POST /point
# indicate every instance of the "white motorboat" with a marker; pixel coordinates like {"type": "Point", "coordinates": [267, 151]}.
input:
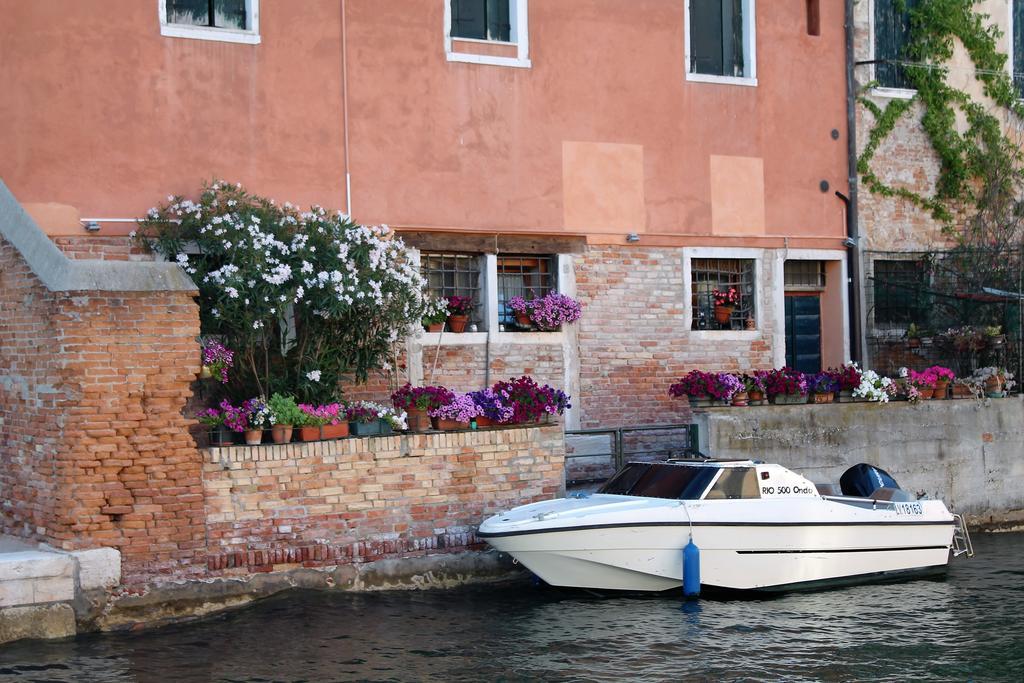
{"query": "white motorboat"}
{"type": "Point", "coordinates": [757, 526]}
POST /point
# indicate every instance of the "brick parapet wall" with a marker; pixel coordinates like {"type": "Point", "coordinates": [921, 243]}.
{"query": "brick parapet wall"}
{"type": "Point", "coordinates": [96, 451]}
{"type": "Point", "coordinates": [357, 500]}
{"type": "Point", "coordinates": [102, 248]}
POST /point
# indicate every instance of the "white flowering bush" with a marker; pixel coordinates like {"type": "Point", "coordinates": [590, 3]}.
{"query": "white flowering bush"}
{"type": "Point", "coordinates": [303, 297]}
{"type": "Point", "coordinates": [874, 387]}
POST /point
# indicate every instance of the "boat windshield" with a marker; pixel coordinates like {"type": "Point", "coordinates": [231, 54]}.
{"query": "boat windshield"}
{"type": "Point", "coordinates": [659, 480]}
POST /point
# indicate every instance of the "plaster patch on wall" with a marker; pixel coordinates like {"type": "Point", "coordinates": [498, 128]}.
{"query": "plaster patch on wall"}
{"type": "Point", "coordinates": [603, 187]}
{"type": "Point", "coordinates": [737, 195]}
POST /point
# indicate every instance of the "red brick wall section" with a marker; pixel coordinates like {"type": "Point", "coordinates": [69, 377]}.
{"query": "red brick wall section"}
{"type": "Point", "coordinates": [464, 367]}
{"type": "Point", "coordinates": [96, 451]}
{"type": "Point", "coordinates": [102, 248]}
{"type": "Point", "coordinates": [635, 339]}
{"type": "Point", "coordinates": [357, 500]}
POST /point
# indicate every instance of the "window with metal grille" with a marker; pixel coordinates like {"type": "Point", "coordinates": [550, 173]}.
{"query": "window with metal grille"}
{"type": "Point", "coordinates": [718, 32]}
{"type": "Point", "coordinates": [230, 14]}
{"type": "Point", "coordinates": [804, 274]}
{"type": "Point", "coordinates": [449, 275]}
{"type": "Point", "coordinates": [481, 20]}
{"type": "Point", "coordinates": [892, 33]}
{"type": "Point", "coordinates": [900, 292]}
{"type": "Point", "coordinates": [709, 274]}
{"type": "Point", "coordinates": [1018, 46]}
{"type": "Point", "coordinates": [528, 276]}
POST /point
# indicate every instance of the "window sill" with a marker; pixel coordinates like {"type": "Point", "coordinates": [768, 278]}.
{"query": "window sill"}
{"type": "Point", "coordinates": [722, 80]}
{"type": "Point", "coordinates": [480, 338]}
{"type": "Point", "coordinates": [492, 60]}
{"type": "Point", "coordinates": [894, 93]}
{"type": "Point", "coordinates": [726, 335]}
{"type": "Point", "coordinates": [221, 35]}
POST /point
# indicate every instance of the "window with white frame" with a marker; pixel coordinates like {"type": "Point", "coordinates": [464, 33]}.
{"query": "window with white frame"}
{"type": "Point", "coordinates": [449, 275]}
{"type": "Point", "coordinates": [502, 23]}
{"type": "Point", "coordinates": [526, 276]}
{"type": "Point", "coordinates": [891, 34]}
{"type": "Point", "coordinates": [720, 40]}
{"type": "Point", "coordinates": [235, 21]}
{"type": "Point", "coordinates": [712, 279]}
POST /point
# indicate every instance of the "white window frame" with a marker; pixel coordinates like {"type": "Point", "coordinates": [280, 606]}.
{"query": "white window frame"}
{"type": "Point", "coordinates": [519, 34]}
{"type": "Point", "coordinates": [749, 48]}
{"type": "Point", "coordinates": [891, 93]}
{"type": "Point", "coordinates": [250, 36]}
{"type": "Point", "coordinates": [743, 253]}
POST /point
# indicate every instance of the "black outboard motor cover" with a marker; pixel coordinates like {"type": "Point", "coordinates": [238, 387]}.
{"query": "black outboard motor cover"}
{"type": "Point", "coordinates": [862, 480]}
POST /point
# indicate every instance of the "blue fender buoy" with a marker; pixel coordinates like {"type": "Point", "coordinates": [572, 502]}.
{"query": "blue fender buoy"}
{"type": "Point", "coordinates": [691, 570]}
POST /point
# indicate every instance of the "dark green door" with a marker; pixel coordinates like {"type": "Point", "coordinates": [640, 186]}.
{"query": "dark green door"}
{"type": "Point", "coordinates": [803, 333]}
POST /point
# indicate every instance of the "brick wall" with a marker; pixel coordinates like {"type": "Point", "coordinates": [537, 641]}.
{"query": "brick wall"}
{"type": "Point", "coordinates": [96, 451]}
{"type": "Point", "coordinates": [102, 248]}
{"type": "Point", "coordinates": [635, 337]}
{"type": "Point", "coordinates": [356, 500]}
{"type": "Point", "coordinates": [464, 367]}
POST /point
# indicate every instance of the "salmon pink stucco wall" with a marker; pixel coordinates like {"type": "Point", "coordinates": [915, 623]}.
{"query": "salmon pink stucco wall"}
{"type": "Point", "coordinates": [105, 115]}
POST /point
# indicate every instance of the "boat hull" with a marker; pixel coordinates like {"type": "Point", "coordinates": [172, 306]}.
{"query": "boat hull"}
{"type": "Point", "coordinates": [749, 556]}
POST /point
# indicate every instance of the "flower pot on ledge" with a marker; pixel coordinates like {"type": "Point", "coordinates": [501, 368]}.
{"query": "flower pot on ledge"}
{"type": "Point", "coordinates": [723, 314]}
{"type": "Point", "coordinates": [448, 425]}
{"type": "Point", "coordinates": [435, 327]}
{"type": "Point", "coordinates": [458, 323]}
{"type": "Point", "coordinates": [338, 431]}
{"type": "Point", "coordinates": [789, 399]}
{"type": "Point", "coordinates": [309, 433]}
{"type": "Point", "coordinates": [418, 420]}
{"type": "Point", "coordinates": [281, 433]}
{"type": "Point", "coordinates": [364, 428]}
{"type": "Point", "coordinates": [253, 437]}
{"type": "Point", "coordinates": [739, 399]}
{"type": "Point", "coordinates": [824, 397]}
{"type": "Point", "coordinates": [482, 421]}
{"type": "Point", "coordinates": [523, 319]}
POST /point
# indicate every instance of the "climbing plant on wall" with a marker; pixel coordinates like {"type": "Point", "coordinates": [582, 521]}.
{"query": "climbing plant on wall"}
{"type": "Point", "coordinates": [974, 160]}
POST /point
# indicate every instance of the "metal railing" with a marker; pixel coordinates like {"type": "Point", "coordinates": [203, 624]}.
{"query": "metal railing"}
{"type": "Point", "coordinates": [586, 464]}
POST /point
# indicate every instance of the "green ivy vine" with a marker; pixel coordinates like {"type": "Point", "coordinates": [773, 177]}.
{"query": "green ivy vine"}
{"type": "Point", "coordinates": [966, 159]}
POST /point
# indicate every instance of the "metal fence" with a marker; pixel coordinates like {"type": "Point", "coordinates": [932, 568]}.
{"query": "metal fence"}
{"type": "Point", "coordinates": [960, 309]}
{"type": "Point", "coordinates": [594, 455]}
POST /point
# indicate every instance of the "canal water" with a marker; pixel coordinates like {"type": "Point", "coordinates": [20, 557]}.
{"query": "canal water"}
{"type": "Point", "coordinates": [965, 627]}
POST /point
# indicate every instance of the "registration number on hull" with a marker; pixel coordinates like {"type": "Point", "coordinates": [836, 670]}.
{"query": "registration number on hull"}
{"type": "Point", "coordinates": [909, 509]}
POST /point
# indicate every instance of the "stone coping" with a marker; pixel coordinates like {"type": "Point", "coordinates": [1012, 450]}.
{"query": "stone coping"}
{"type": "Point", "coordinates": [58, 273]}
{"type": "Point", "coordinates": [402, 444]}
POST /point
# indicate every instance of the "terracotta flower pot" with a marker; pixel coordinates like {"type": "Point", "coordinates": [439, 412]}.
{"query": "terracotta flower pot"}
{"type": "Point", "coordinates": [253, 437]}
{"type": "Point", "coordinates": [281, 433]}
{"type": "Point", "coordinates": [926, 393]}
{"type": "Point", "coordinates": [309, 433]}
{"type": "Point", "coordinates": [941, 389]}
{"type": "Point", "coordinates": [444, 424]}
{"type": "Point", "coordinates": [435, 327]}
{"type": "Point", "coordinates": [962, 391]}
{"type": "Point", "coordinates": [482, 421]}
{"type": "Point", "coordinates": [739, 399]}
{"type": "Point", "coordinates": [523, 319]}
{"type": "Point", "coordinates": [418, 420]}
{"type": "Point", "coordinates": [755, 396]}
{"type": "Point", "coordinates": [824, 398]}
{"type": "Point", "coordinates": [457, 323]}
{"type": "Point", "coordinates": [338, 431]}
{"type": "Point", "coordinates": [723, 314]}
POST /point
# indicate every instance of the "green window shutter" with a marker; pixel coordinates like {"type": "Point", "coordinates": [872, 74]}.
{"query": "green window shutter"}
{"type": "Point", "coordinates": [706, 37]}
{"type": "Point", "coordinates": [716, 37]}
{"type": "Point", "coordinates": [892, 33]}
{"type": "Point", "coordinates": [499, 24]}
{"type": "Point", "coordinates": [469, 19]}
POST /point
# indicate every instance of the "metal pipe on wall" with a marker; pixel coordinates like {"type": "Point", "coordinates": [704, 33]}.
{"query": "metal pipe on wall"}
{"type": "Point", "coordinates": [852, 227]}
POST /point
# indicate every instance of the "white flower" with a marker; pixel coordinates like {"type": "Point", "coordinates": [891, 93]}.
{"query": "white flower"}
{"type": "Point", "coordinates": [132, 234]}
{"type": "Point", "coordinates": [313, 375]}
{"type": "Point", "coordinates": [231, 292]}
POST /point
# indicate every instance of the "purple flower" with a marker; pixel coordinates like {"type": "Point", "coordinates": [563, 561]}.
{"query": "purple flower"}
{"type": "Point", "coordinates": [218, 358]}
{"type": "Point", "coordinates": [492, 406]}
{"type": "Point", "coordinates": [550, 311]}
{"type": "Point", "coordinates": [461, 408]}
